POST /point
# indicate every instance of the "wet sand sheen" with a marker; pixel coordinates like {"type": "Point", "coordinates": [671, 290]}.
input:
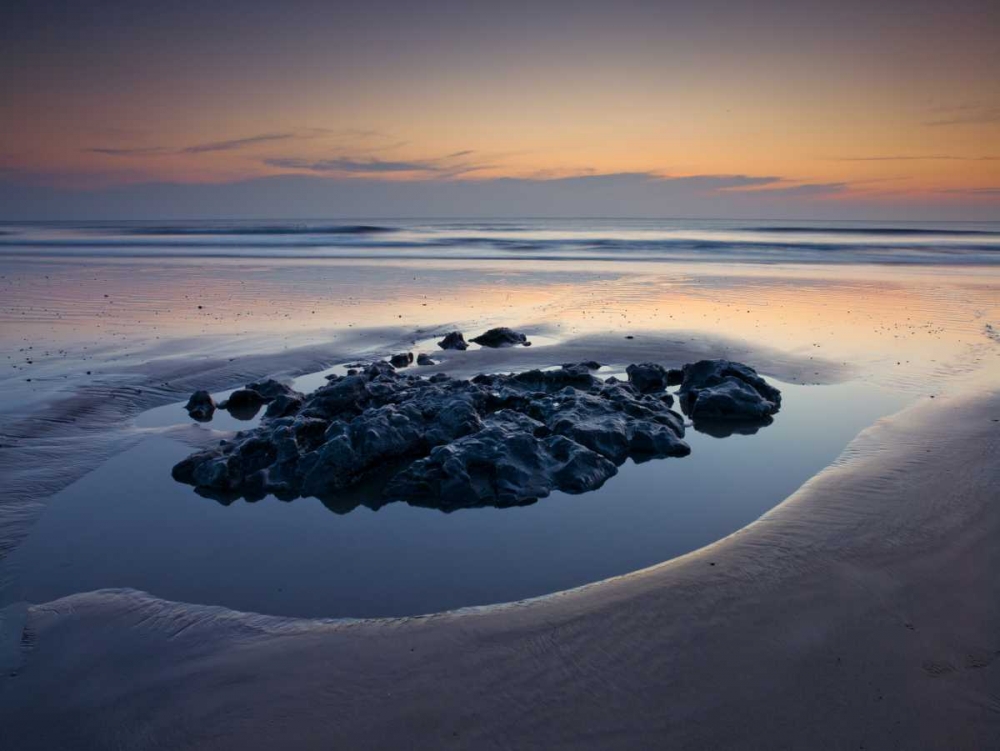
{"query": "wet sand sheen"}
{"type": "Point", "coordinates": [870, 586]}
{"type": "Point", "coordinates": [867, 602]}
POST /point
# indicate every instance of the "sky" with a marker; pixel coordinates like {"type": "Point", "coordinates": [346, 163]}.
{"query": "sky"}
{"type": "Point", "coordinates": [390, 108]}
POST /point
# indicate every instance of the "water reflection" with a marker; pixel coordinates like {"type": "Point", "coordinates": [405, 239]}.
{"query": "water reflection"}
{"type": "Point", "coordinates": [128, 524]}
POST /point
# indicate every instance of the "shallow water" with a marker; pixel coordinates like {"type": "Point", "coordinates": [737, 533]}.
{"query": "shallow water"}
{"type": "Point", "coordinates": [127, 524]}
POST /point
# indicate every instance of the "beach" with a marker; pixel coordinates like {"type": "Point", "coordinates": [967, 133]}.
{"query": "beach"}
{"type": "Point", "coordinates": [823, 583]}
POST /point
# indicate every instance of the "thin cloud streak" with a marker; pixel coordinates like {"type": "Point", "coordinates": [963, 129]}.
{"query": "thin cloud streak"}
{"type": "Point", "coordinates": [209, 147]}
{"type": "Point", "coordinates": [237, 143]}
{"type": "Point", "coordinates": [973, 113]}
{"type": "Point", "coordinates": [917, 158]}
{"type": "Point", "coordinates": [441, 167]}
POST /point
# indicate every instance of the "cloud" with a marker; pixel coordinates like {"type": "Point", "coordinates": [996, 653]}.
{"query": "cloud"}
{"type": "Point", "coordinates": [302, 195]}
{"type": "Point", "coordinates": [210, 146]}
{"type": "Point", "coordinates": [916, 158]}
{"type": "Point", "coordinates": [145, 150]}
{"type": "Point", "coordinates": [350, 165]}
{"type": "Point", "coordinates": [806, 190]}
{"type": "Point", "coordinates": [237, 143]}
{"type": "Point", "coordinates": [991, 191]}
{"type": "Point", "coordinates": [450, 165]}
{"type": "Point", "coordinates": [972, 113]}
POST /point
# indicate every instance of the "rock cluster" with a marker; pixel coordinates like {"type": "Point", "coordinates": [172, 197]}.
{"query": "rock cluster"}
{"type": "Point", "coordinates": [246, 402]}
{"type": "Point", "coordinates": [499, 440]}
{"type": "Point", "coordinates": [495, 439]}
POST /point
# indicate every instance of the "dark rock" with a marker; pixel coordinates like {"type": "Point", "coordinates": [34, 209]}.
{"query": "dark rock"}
{"type": "Point", "coordinates": [243, 404]}
{"type": "Point", "coordinates": [401, 360]}
{"type": "Point", "coordinates": [494, 440]}
{"type": "Point", "coordinates": [721, 390]}
{"type": "Point", "coordinates": [501, 337]}
{"type": "Point", "coordinates": [648, 377]}
{"type": "Point", "coordinates": [589, 364]}
{"type": "Point", "coordinates": [271, 389]}
{"type": "Point", "coordinates": [201, 406]}
{"type": "Point", "coordinates": [283, 405]}
{"type": "Point", "coordinates": [454, 340]}
{"type": "Point", "coordinates": [509, 462]}
{"type": "Point", "coordinates": [423, 359]}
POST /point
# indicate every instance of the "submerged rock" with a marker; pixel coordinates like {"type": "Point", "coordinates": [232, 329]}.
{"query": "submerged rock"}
{"type": "Point", "coordinates": [423, 360]}
{"type": "Point", "coordinates": [501, 337]}
{"type": "Point", "coordinates": [454, 340]}
{"type": "Point", "coordinates": [201, 406]}
{"type": "Point", "coordinates": [721, 390]}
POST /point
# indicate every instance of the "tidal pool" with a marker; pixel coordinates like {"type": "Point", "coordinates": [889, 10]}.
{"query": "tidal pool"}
{"type": "Point", "coordinates": [128, 524]}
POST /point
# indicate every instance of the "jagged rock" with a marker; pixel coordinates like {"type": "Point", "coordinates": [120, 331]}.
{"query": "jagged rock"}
{"type": "Point", "coordinates": [589, 364]}
{"type": "Point", "coordinates": [201, 406]}
{"type": "Point", "coordinates": [614, 422]}
{"type": "Point", "coordinates": [510, 461]}
{"type": "Point", "coordinates": [501, 337]}
{"type": "Point", "coordinates": [401, 360]}
{"type": "Point", "coordinates": [648, 377]}
{"type": "Point", "coordinates": [720, 390]}
{"type": "Point", "coordinates": [424, 359]}
{"type": "Point", "coordinates": [454, 340]}
{"type": "Point", "coordinates": [283, 406]}
{"type": "Point", "coordinates": [243, 404]}
{"type": "Point", "coordinates": [560, 429]}
{"type": "Point", "coordinates": [271, 389]}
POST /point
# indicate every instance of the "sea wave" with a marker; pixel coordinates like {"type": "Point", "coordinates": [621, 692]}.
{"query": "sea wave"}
{"type": "Point", "coordinates": [275, 229]}
{"type": "Point", "coordinates": [887, 231]}
{"type": "Point", "coordinates": [805, 242]}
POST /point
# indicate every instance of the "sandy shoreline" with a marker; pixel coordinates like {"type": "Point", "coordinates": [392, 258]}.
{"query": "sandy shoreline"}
{"type": "Point", "coordinates": [863, 612]}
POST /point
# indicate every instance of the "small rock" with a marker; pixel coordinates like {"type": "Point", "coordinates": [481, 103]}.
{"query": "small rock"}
{"type": "Point", "coordinates": [401, 360]}
{"type": "Point", "coordinates": [201, 406]}
{"type": "Point", "coordinates": [424, 359]}
{"type": "Point", "coordinates": [454, 340]}
{"type": "Point", "coordinates": [501, 337]}
{"type": "Point", "coordinates": [243, 404]}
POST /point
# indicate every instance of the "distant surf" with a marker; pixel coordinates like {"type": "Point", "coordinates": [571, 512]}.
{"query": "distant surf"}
{"type": "Point", "coordinates": [557, 239]}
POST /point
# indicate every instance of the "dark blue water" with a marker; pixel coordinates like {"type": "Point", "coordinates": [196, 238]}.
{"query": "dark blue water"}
{"type": "Point", "coordinates": [689, 240]}
{"type": "Point", "coordinates": [128, 524]}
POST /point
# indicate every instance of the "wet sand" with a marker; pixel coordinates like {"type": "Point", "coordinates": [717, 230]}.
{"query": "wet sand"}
{"type": "Point", "coordinates": [861, 612]}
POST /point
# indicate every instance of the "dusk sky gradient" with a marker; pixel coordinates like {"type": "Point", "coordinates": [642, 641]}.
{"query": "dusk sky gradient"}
{"type": "Point", "coordinates": [812, 109]}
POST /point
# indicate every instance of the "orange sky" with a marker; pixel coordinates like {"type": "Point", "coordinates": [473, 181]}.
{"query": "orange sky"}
{"type": "Point", "coordinates": [894, 103]}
